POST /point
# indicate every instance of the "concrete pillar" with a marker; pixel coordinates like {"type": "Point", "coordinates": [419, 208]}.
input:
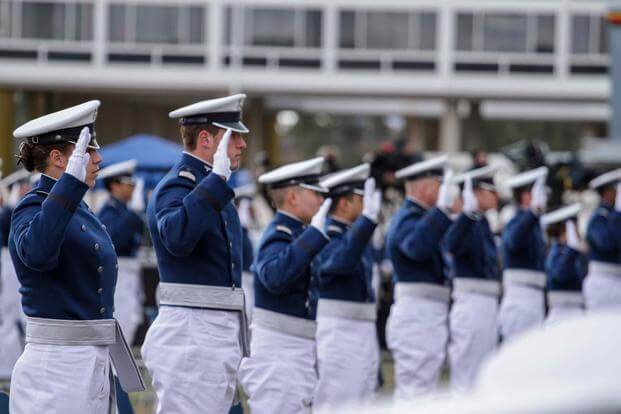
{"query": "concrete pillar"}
{"type": "Point", "coordinates": [473, 128]}
{"type": "Point", "coordinates": [450, 128]}
{"type": "Point", "coordinates": [415, 130]}
{"type": "Point", "coordinates": [7, 125]}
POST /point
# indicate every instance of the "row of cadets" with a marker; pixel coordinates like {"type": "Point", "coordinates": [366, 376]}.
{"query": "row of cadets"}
{"type": "Point", "coordinates": [67, 269]}
{"type": "Point", "coordinates": [125, 227]}
{"type": "Point", "coordinates": [194, 346]}
{"type": "Point", "coordinates": [602, 287]}
{"type": "Point", "coordinates": [523, 253]}
{"type": "Point", "coordinates": [417, 328]}
{"type": "Point", "coordinates": [280, 375]}
{"type": "Point", "coordinates": [347, 347]}
{"type": "Point", "coordinates": [475, 278]}
{"type": "Point", "coordinates": [11, 314]}
{"type": "Point", "coordinates": [566, 265]}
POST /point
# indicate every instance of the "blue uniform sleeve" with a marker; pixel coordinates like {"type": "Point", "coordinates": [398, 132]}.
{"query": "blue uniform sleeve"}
{"type": "Point", "coordinates": [421, 242]}
{"type": "Point", "coordinates": [38, 229]}
{"type": "Point", "coordinates": [561, 266]}
{"type": "Point", "coordinates": [602, 234]}
{"type": "Point", "coordinates": [184, 213]}
{"type": "Point", "coordinates": [458, 236]}
{"type": "Point", "coordinates": [280, 262]}
{"type": "Point", "coordinates": [515, 234]}
{"type": "Point", "coordinates": [125, 229]}
{"type": "Point", "coordinates": [342, 255]}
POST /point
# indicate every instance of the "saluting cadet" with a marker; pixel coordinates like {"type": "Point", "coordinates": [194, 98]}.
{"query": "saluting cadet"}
{"type": "Point", "coordinates": [565, 265]}
{"type": "Point", "coordinates": [67, 269]}
{"type": "Point", "coordinates": [125, 229]}
{"type": "Point", "coordinates": [417, 328]}
{"type": "Point", "coordinates": [347, 347]}
{"type": "Point", "coordinates": [524, 252]}
{"type": "Point", "coordinates": [194, 346]}
{"type": "Point", "coordinates": [475, 273]}
{"type": "Point", "coordinates": [243, 199]}
{"type": "Point", "coordinates": [11, 315]}
{"type": "Point", "coordinates": [280, 375]}
{"type": "Point", "coordinates": [602, 286]}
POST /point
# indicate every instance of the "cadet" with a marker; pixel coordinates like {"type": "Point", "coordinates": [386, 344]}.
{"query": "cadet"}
{"type": "Point", "coordinates": [347, 347]}
{"type": "Point", "coordinates": [125, 229]}
{"type": "Point", "coordinates": [602, 286]}
{"type": "Point", "coordinates": [475, 273]}
{"type": "Point", "coordinates": [280, 375]}
{"type": "Point", "coordinates": [11, 314]}
{"type": "Point", "coordinates": [67, 269]}
{"type": "Point", "coordinates": [194, 346]}
{"type": "Point", "coordinates": [565, 265]}
{"type": "Point", "coordinates": [524, 252]}
{"type": "Point", "coordinates": [417, 328]}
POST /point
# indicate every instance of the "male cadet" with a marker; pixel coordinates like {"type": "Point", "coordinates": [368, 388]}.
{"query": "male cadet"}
{"type": "Point", "coordinates": [194, 346]}
{"type": "Point", "coordinates": [524, 253]}
{"type": "Point", "coordinates": [280, 375]}
{"type": "Point", "coordinates": [475, 273]}
{"type": "Point", "coordinates": [417, 328]}
{"type": "Point", "coordinates": [125, 229]}
{"type": "Point", "coordinates": [602, 286]}
{"type": "Point", "coordinates": [12, 317]}
{"type": "Point", "coordinates": [347, 348]}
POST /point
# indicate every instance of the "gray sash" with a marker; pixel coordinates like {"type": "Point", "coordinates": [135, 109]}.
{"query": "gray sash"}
{"type": "Point", "coordinates": [423, 290]}
{"type": "Point", "coordinates": [565, 298]}
{"type": "Point", "coordinates": [532, 278]}
{"type": "Point", "coordinates": [209, 297]}
{"type": "Point", "coordinates": [362, 311]}
{"type": "Point", "coordinates": [604, 268]}
{"type": "Point", "coordinates": [474, 285]}
{"type": "Point", "coordinates": [279, 322]}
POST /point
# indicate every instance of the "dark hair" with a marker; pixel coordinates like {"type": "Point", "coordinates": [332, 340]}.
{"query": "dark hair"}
{"type": "Point", "coordinates": [518, 191]}
{"type": "Point", "coordinates": [189, 133]}
{"type": "Point", "coordinates": [35, 156]}
{"type": "Point", "coordinates": [555, 230]}
{"type": "Point", "coordinates": [336, 199]}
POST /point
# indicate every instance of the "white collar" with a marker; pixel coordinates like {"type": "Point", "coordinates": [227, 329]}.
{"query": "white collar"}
{"type": "Point", "coordinates": [50, 177]}
{"type": "Point", "coordinates": [198, 158]}
{"type": "Point", "coordinates": [290, 216]}
{"type": "Point", "coordinates": [342, 221]}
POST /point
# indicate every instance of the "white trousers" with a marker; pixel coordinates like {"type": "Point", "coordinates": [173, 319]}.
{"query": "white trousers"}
{"type": "Point", "coordinates": [129, 297]}
{"type": "Point", "coordinates": [58, 379]}
{"type": "Point", "coordinates": [474, 336]}
{"type": "Point", "coordinates": [559, 313]}
{"type": "Point", "coordinates": [193, 356]}
{"type": "Point", "coordinates": [417, 334]}
{"type": "Point", "coordinates": [11, 315]}
{"type": "Point", "coordinates": [280, 375]}
{"type": "Point", "coordinates": [521, 308]}
{"type": "Point", "coordinates": [347, 360]}
{"type": "Point", "coordinates": [601, 291]}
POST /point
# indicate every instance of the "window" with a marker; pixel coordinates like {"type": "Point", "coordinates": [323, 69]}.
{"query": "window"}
{"type": "Point", "coordinates": [5, 18]}
{"type": "Point", "coordinates": [393, 30]}
{"type": "Point", "coordinates": [156, 24]}
{"type": "Point", "coordinates": [589, 35]}
{"type": "Point", "coordinates": [505, 32]}
{"type": "Point", "coordinates": [57, 21]}
{"type": "Point", "coordinates": [281, 27]}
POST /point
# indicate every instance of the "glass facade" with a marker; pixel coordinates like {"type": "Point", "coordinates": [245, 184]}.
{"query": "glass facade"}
{"type": "Point", "coordinates": [588, 35]}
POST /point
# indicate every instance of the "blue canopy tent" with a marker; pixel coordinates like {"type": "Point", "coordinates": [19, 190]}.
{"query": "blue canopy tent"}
{"type": "Point", "coordinates": [155, 156]}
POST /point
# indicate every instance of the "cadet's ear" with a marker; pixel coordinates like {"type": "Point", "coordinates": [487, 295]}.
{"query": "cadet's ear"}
{"type": "Point", "coordinates": [205, 139]}
{"type": "Point", "coordinates": [291, 197]}
{"type": "Point", "coordinates": [57, 158]}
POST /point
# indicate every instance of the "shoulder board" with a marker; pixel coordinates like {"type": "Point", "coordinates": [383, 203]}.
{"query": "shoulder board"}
{"type": "Point", "coordinates": [42, 193]}
{"type": "Point", "coordinates": [284, 229]}
{"type": "Point", "coordinates": [187, 174]}
{"type": "Point", "coordinates": [334, 229]}
{"type": "Point", "coordinates": [602, 212]}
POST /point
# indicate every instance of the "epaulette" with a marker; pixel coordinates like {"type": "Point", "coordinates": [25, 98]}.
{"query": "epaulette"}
{"type": "Point", "coordinates": [187, 174]}
{"type": "Point", "coordinates": [335, 229]}
{"type": "Point", "coordinates": [284, 229]}
{"type": "Point", "coordinates": [602, 211]}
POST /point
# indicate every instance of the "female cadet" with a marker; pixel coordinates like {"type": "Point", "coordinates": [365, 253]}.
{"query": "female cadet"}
{"type": "Point", "coordinates": [67, 269]}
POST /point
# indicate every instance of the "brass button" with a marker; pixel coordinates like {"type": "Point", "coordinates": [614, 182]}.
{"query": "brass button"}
{"type": "Point", "coordinates": [100, 290]}
{"type": "Point", "coordinates": [83, 227]}
{"type": "Point", "coordinates": [100, 269]}
{"type": "Point", "coordinates": [102, 310]}
{"type": "Point", "coordinates": [96, 246]}
{"type": "Point", "coordinates": [103, 226]}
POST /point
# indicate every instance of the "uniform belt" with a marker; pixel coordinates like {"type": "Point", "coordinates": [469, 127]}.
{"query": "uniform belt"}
{"type": "Point", "coordinates": [209, 297]}
{"type": "Point", "coordinates": [102, 332]}
{"type": "Point", "coordinates": [363, 311]}
{"type": "Point", "coordinates": [565, 298]}
{"type": "Point", "coordinates": [527, 277]}
{"type": "Point", "coordinates": [423, 290]}
{"type": "Point", "coordinates": [604, 268]}
{"type": "Point", "coordinates": [279, 322]}
{"type": "Point", "coordinates": [474, 285]}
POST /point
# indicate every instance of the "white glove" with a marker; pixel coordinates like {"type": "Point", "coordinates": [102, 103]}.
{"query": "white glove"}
{"type": "Point", "coordinates": [319, 219]}
{"type": "Point", "coordinates": [14, 196]}
{"type": "Point", "coordinates": [539, 197]}
{"type": "Point", "coordinates": [618, 198]}
{"type": "Point", "coordinates": [243, 210]}
{"type": "Point", "coordinates": [136, 204]}
{"type": "Point", "coordinates": [371, 201]}
{"type": "Point", "coordinates": [445, 198]}
{"type": "Point", "coordinates": [79, 159]}
{"type": "Point", "coordinates": [221, 161]}
{"type": "Point", "coordinates": [571, 234]}
{"type": "Point", "coordinates": [471, 204]}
